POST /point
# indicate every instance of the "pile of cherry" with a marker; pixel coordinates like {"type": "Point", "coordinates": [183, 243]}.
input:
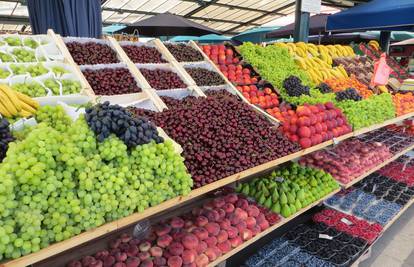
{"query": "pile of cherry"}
{"type": "Point", "coordinates": [111, 81]}
{"type": "Point", "coordinates": [161, 79]}
{"type": "Point", "coordinates": [91, 53]}
{"type": "Point", "coordinates": [221, 136]}
{"type": "Point", "coordinates": [143, 54]}
{"type": "Point", "coordinates": [194, 239]}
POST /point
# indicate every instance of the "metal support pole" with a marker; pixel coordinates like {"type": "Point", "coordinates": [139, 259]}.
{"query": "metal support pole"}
{"type": "Point", "coordinates": [384, 41]}
{"type": "Point", "coordinates": [301, 24]}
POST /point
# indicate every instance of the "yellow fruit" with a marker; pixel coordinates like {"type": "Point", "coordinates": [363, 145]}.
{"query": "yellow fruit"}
{"type": "Point", "coordinates": [4, 112]}
{"type": "Point", "coordinates": [28, 100]}
{"type": "Point", "coordinates": [9, 93]}
{"type": "Point", "coordinates": [7, 104]}
{"type": "Point", "coordinates": [301, 63]}
{"type": "Point", "coordinates": [28, 108]}
{"type": "Point", "coordinates": [343, 71]}
{"type": "Point", "coordinates": [25, 113]}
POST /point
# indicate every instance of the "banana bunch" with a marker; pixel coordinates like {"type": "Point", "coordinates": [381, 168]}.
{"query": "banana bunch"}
{"type": "Point", "coordinates": [13, 103]}
{"type": "Point", "coordinates": [319, 75]}
{"type": "Point", "coordinates": [374, 44]}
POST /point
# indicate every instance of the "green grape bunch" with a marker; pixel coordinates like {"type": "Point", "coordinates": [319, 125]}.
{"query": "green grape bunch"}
{"type": "Point", "coordinates": [13, 41]}
{"type": "Point", "coordinates": [4, 57]}
{"type": "Point", "coordinates": [53, 85]}
{"type": "Point", "coordinates": [59, 71]}
{"type": "Point", "coordinates": [18, 69]}
{"type": "Point", "coordinates": [70, 87]}
{"type": "Point", "coordinates": [58, 181]}
{"type": "Point", "coordinates": [29, 42]}
{"type": "Point", "coordinates": [37, 70]}
{"type": "Point", "coordinates": [32, 89]}
{"type": "Point", "coordinates": [4, 73]}
{"type": "Point", "coordinates": [24, 55]}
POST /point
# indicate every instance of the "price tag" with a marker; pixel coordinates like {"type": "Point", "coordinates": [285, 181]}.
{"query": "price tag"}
{"type": "Point", "coordinates": [323, 236]}
{"type": "Point", "coordinates": [346, 221]}
{"type": "Point", "coordinates": [335, 141]}
{"type": "Point", "coordinates": [279, 179]}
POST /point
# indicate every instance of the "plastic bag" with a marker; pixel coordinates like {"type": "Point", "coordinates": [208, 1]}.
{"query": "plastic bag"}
{"type": "Point", "coordinates": [381, 71]}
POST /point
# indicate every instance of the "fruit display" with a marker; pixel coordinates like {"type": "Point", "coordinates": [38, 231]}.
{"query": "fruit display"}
{"type": "Point", "coordinates": [193, 239]}
{"type": "Point", "coordinates": [365, 206]}
{"type": "Point", "coordinates": [288, 190]}
{"type": "Point", "coordinates": [264, 97]}
{"type": "Point", "coordinates": [312, 244]}
{"type": "Point", "coordinates": [143, 54]}
{"type": "Point", "coordinates": [404, 103]}
{"type": "Point", "coordinates": [60, 181]}
{"type": "Point", "coordinates": [16, 104]}
{"type": "Point", "coordinates": [5, 138]}
{"type": "Point", "coordinates": [205, 77]}
{"type": "Point", "coordinates": [293, 86]}
{"type": "Point", "coordinates": [184, 53]}
{"type": "Point", "coordinates": [162, 79]}
{"type": "Point", "coordinates": [91, 53]}
{"type": "Point", "coordinates": [317, 59]}
{"type": "Point", "coordinates": [220, 136]}
{"type": "Point", "coordinates": [340, 84]}
{"type": "Point", "coordinates": [349, 224]}
{"type": "Point", "coordinates": [274, 64]}
{"type": "Point", "coordinates": [32, 89]}
{"type": "Point", "coordinates": [310, 125]}
{"type": "Point", "coordinates": [348, 94]}
{"type": "Point", "coordinates": [387, 189]}
{"type": "Point", "coordinates": [359, 66]}
{"type": "Point", "coordinates": [111, 81]}
{"type": "Point", "coordinates": [349, 159]}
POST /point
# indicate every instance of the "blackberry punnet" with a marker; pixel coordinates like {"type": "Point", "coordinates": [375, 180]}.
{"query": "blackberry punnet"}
{"type": "Point", "coordinates": [91, 53]}
{"type": "Point", "coordinates": [105, 119]}
{"type": "Point", "coordinates": [294, 87]}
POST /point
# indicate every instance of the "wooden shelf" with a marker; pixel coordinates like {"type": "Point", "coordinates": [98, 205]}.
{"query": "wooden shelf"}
{"type": "Point", "coordinates": [396, 156]}
{"type": "Point", "coordinates": [133, 218]}
{"type": "Point", "coordinates": [282, 222]}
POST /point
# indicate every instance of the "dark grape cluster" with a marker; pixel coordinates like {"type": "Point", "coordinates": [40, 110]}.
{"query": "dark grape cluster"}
{"type": "Point", "coordinates": [105, 119]}
{"type": "Point", "coordinates": [5, 138]}
{"type": "Point", "coordinates": [348, 94]}
{"type": "Point", "coordinates": [221, 136]}
{"type": "Point", "coordinates": [324, 88]}
{"type": "Point", "coordinates": [184, 53]}
{"type": "Point", "coordinates": [205, 77]}
{"type": "Point", "coordinates": [294, 87]}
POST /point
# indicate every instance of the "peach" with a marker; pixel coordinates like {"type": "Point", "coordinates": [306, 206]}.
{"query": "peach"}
{"type": "Point", "coordinates": [218, 202]}
{"type": "Point", "coordinates": [151, 237]}
{"type": "Point", "coordinates": [164, 241]}
{"type": "Point", "coordinates": [147, 263]}
{"type": "Point", "coordinates": [212, 215]}
{"type": "Point", "coordinates": [212, 228]}
{"type": "Point", "coordinates": [236, 241]}
{"type": "Point", "coordinates": [246, 234]}
{"type": "Point", "coordinates": [228, 208]}
{"type": "Point", "coordinates": [109, 261]}
{"type": "Point", "coordinates": [132, 251]}
{"type": "Point", "coordinates": [89, 259]}
{"type": "Point", "coordinates": [241, 226]}
{"type": "Point", "coordinates": [156, 251]}
{"type": "Point", "coordinates": [178, 236]}
{"type": "Point", "coordinates": [222, 236]}
{"type": "Point", "coordinates": [144, 246]}
{"type": "Point", "coordinates": [253, 211]}
{"type": "Point", "coordinates": [250, 222]}
{"type": "Point", "coordinates": [303, 121]}
{"type": "Point", "coordinates": [175, 248]}
{"type": "Point", "coordinates": [217, 251]}
{"type": "Point", "coordinates": [132, 262]}
{"type": "Point", "coordinates": [160, 261]}
{"type": "Point", "coordinates": [175, 261]}
{"type": "Point", "coordinates": [242, 203]}
{"type": "Point", "coordinates": [202, 246]}
{"type": "Point", "coordinates": [200, 232]}
{"type": "Point", "coordinates": [232, 232]}
{"type": "Point", "coordinates": [188, 224]}
{"type": "Point", "coordinates": [222, 215]}
{"type": "Point", "coordinates": [211, 254]}
{"type": "Point", "coordinates": [121, 264]}
{"type": "Point", "coordinates": [224, 246]}
{"type": "Point", "coordinates": [225, 224]}
{"type": "Point", "coordinates": [119, 256]}
{"type": "Point", "coordinates": [305, 142]}
{"type": "Point", "coordinates": [115, 243]}
{"type": "Point", "coordinates": [304, 132]}
{"type": "Point", "coordinates": [144, 255]}
{"type": "Point", "coordinates": [124, 247]}
{"type": "Point", "coordinates": [264, 225]}
{"type": "Point", "coordinates": [201, 221]}
{"type": "Point", "coordinates": [177, 223]}
{"type": "Point", "coordinates": [188, 256]}
{"type": "Point", "coordinates": [234, 219]}
{"type": "Point", "coordinates": [201, 260]}
{"type": "Point", "coordinates": [211, 241]}
{"type": "Point", "coordinates": [190, 265]}
{"type": "Point", "coordinates": [125, 238]}
{"type": "Point", "coordinates": [161, 230]}
{"type": "Point", "coordinates": [256, 229]}
{"type": "Point", "coordinates": [208, 205]}
{"type": "Point", "coordinates": [190, 241]}
{"type": "Point", "coordinates": [303, 111]}
{"type": "Point", "coordinates": [242, 214]}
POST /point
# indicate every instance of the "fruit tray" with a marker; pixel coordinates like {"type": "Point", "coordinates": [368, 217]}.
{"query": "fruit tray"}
{"type": "Point", "coordinates": [311, 244]}
{"type": "Point", "coordinates": [348, 224]}
{"type": "Point", "coordinates": [388, 189]}
{"type": "Point", "coordinates": [396, 140]}
{"type": "Point", "coordinates": [204, 74]}
{"type": "Point", "coordinates": [183, 52]}
{"type": "Point", "coordinates": [400, 171]}
{"type": "Point", "coordinates": [143, 53]}
{"type": "Point", "coordinates": [363, 205]}
{"type": "Point", "coordinates": [84, 51]}
{"type": "Point", "coordinates": [163, 76]}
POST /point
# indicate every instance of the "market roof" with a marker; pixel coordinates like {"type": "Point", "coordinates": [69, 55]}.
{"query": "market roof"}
{"type": "Point", "coordinates": [226, 16]}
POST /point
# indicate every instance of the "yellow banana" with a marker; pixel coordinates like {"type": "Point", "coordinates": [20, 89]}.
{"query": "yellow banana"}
{"type": "Point", "coordinates": [301, 62]}
{"type": "Point", "coordinates": [343, 71]}
{"type": "Point", "coordinates": [28, 108]}
{"type": "Point", "coordinates": [28, 100]}
{"type": "Point", "coordinates": [9, 93]}
{"type": "Point", "coordinates": [25, 113]}
{"type": "Point", "coordinates": [7, 104]}
{"type": "Point", "coordinates": [4, 111]}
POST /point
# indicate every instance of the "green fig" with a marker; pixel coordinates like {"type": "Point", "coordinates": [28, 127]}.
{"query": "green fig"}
{"type": "Point", "coordinates": [285, 211]}
{"type": "Point", "coordinates": [276, 207]}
